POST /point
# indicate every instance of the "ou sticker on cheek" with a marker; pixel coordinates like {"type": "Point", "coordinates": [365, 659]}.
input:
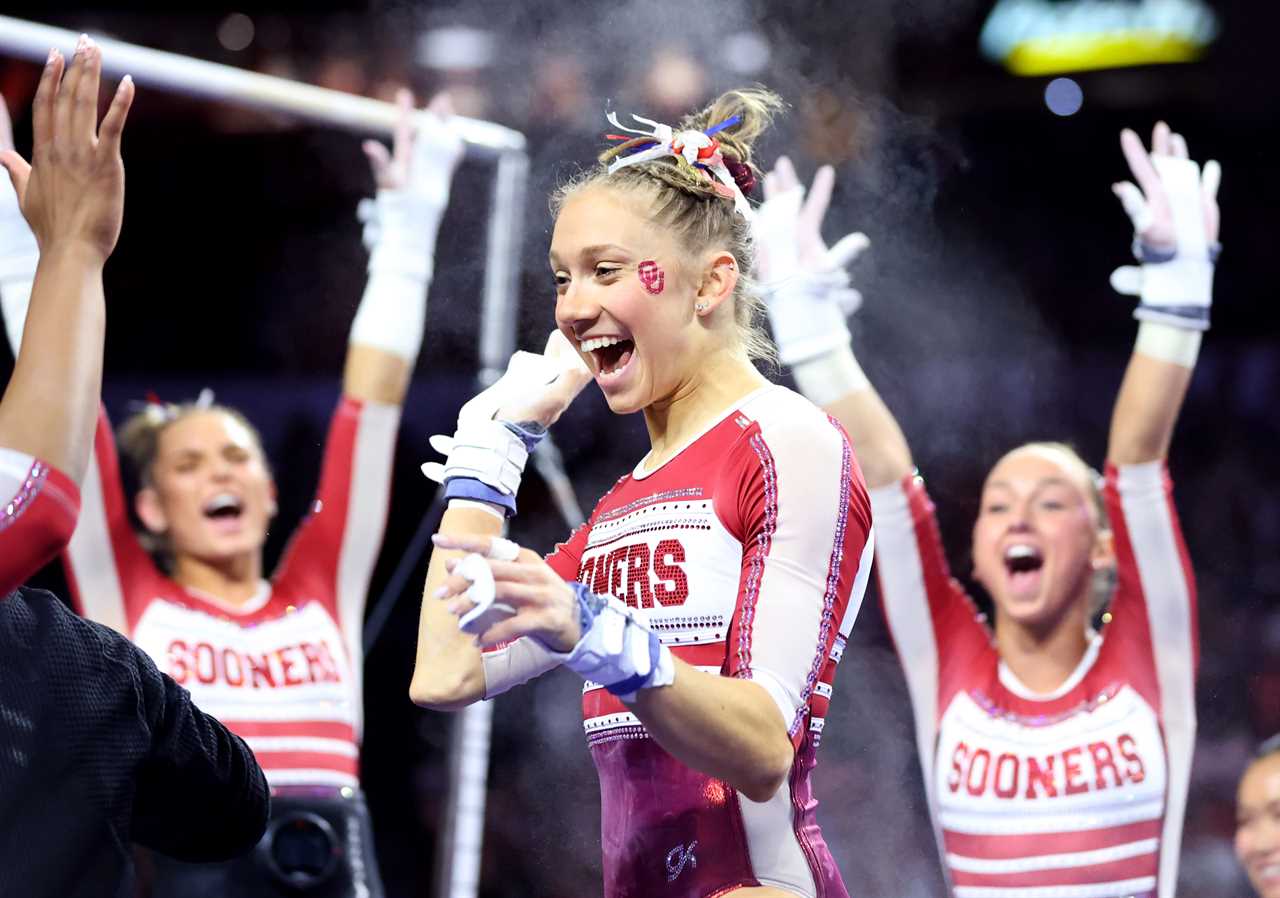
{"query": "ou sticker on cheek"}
{"type": "Point", "coordinates": [652, 277]}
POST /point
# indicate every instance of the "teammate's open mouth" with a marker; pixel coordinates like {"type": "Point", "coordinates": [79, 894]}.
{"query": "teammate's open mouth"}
{"type": "Point", "coordinates": [1024, 563]}
{"type": "Point", "coordinates": [1021, 559]}
{"type": "Point", "coordinates": [223, 506]}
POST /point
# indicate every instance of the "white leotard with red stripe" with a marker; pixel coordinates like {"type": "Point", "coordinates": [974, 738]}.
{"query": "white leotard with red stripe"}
{"type": "Point", "coordinates": [1075, 794]}
{"type": "Point", "coordinates": [283, 670]}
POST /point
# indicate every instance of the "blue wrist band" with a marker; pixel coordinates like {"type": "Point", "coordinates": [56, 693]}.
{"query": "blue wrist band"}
{"type": "Point", "coordinates": [470, 488]}
{"type": "Point", "coordinates": [531, 436]}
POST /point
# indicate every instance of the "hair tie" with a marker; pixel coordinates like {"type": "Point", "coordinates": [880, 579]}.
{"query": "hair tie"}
{"type": "Point", "coordinates": [694, 148]}
{"type": "Point", "coordinates": [743, 175]}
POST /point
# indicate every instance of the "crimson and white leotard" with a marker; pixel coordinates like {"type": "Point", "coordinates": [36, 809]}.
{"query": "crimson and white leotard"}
{"type": "Point", "coordinates": [750, 551]}
{"type": "Point", "coordinates": [38, 507]}
{"type": "Point", "coordinates": [1075, 794]}
{"type": "Point", "coordinates": [283, 671]}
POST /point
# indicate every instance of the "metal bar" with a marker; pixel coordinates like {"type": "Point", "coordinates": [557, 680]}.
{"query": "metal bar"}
{"type": "Point", "coordinates": [228, 84]}
{"type": "Point", "coordinates": [502, 266]}
{"type": "Point", "coordinates": [458, 873]}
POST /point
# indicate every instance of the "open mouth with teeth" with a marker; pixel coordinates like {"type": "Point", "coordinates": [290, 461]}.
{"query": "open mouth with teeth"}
{"type": "Point", "coordinates": [611, 355]}
{"type": "Point", "coordinates": [223, 507]}
{"type": "Point", "coordinates": [1024, 564]}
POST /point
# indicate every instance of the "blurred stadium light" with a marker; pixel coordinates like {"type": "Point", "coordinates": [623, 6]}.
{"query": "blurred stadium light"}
{"type": "Point", "coordinates": [1049, 37]}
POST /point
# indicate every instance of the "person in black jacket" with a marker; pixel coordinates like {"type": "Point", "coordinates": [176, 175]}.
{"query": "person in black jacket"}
{"type": "Point", "coordinates": [98, 748]}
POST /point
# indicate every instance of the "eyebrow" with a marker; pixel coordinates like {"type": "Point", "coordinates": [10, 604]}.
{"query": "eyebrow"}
{"type": "Point", "coordinates": [598, 249]}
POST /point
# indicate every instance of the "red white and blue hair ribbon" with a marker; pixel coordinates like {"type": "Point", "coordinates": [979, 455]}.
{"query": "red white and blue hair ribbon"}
{"type": "Point", "coordinates": [698, 149]}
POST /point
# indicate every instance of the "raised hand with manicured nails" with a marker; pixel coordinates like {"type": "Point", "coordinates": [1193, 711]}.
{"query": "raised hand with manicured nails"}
{"type": "Point", "coordinates": [1174, 210]}
{"type": "Point", "coordinates": [72, 193]}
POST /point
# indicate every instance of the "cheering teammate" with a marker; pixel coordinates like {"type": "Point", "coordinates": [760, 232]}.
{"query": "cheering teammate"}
{"type": "Point", "coordinates": [708, 598]}
{"type": "Point", "coordinates": [1258, 820]}
{"type": "Point", "coordinates": [1056, 759]}
{"type": "Point", "coordinates": [278, 661]}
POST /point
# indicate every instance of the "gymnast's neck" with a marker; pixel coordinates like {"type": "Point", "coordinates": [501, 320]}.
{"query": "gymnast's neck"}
{"type": "Point", "coordinates": [711, 388]}
{"type": "Point", "coordinates": [235, 579]}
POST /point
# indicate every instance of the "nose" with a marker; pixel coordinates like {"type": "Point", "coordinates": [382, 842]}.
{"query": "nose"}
{"type": "Point", "coordinates": [1020, 519]}
{"type": "Point", "coordinates": [220, 469]}
{"type": "Point", "coordinates": [577, 308]}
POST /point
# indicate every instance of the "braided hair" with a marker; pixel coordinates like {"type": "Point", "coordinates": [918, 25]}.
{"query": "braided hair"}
{"type": "Point", "coordinates": [693, 206]}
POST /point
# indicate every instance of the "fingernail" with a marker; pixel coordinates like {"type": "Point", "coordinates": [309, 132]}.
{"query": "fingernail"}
{"type": "Point", "coordinates": [442, 592]}
{"type": "Point", "coordinates": [53, 54]}
{"type": "Point", "coordinates": [81, 43]}
{"type": "Point", "coordinates": [127, 79]}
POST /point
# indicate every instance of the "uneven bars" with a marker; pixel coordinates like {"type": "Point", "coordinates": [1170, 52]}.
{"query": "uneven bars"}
{"type": "Point", "coordinates": [215, 81]}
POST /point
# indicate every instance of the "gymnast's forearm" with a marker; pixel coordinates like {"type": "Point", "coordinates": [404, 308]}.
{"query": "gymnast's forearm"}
{"type": "Point", "coordinates": [448, 673]}
{"type": "Point", "coordinates": [50, 406]}
{"type": "Point", "coordinates": [728, 728]}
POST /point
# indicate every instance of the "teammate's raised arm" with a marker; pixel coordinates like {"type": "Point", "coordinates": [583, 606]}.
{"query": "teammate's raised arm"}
{"type": "Point", "coordinates": [400, 228]}
{"type": "Point", "coordinates": [808, 295]}
{"type": "Point", "coordinates": [72, 195]}
{"type": "Point", "coordinates": [1174, 209]}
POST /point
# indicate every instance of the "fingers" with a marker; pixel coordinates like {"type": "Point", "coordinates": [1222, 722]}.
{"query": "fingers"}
{"type": "Point", "coordinates": [42, 105]}
{"type": "Point", "coordinates": [19, 171]}
{"type": "Point", "coordinates": [818, 200]}
{"type": "Point", "coordinates": [1161, 140]}
{"type": "Point", "coordinates": [1135, 205]}
{"type": "Point", "coordinates": [84, 104]}
{"type": "Point", "coordinates": [1210, 178]}
{"type": "Point", "coordinates": [1140, 163]}
{"type": "Point", "coordinates": [379, 157]}
{"type": "Point", "coordinates": [461, 542]}
{"type": "Point", "coordinates": [402, 135]}
{"type": "Point", "coordinates": [1178, 146]}
{"type": "Point", "coordinates": [786, 174]}
{"type": "Point", "coordinates": [441, 105]}
{"type": "Point", "coordinates": [6, 127]}
{"type": "Point", "coordinates": [508, 571]}
{"type": "Point", "coordinates": [62, 107]}
{"type": "Point", "coordinates": [846, 249]}
{"type": "Point", "coordinates": [112, 127]}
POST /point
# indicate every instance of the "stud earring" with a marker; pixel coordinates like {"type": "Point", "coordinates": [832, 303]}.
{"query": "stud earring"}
{"type": "Point", "coordinates": [700, 307]}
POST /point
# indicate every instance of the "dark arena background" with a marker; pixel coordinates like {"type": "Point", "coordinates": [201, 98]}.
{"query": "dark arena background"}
{"type": "Point", "coordinates": [988, 320]}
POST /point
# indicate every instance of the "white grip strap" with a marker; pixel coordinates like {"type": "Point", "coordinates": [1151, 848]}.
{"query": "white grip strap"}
{"type": "Point", "coordinates": [487, 451]}
{"type": "Point", "coordinates": [618, 650]}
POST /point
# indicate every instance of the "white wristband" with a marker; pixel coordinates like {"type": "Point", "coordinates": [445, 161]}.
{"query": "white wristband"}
{"type": "Point", "coordinates": [1168, 343]}
{"type": "Point", "coordinates": [831, 376]}
{"type": "Point", "coordinates": [478, 505]}
{"type": "Point", "coordinates": [393, 314]}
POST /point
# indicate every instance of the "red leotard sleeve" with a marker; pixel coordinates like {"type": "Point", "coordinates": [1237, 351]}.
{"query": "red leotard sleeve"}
{"type": "Point", "coordinates": [38, 507]}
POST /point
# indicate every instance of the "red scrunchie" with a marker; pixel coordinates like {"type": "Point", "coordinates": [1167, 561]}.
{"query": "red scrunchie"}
{"type": "Point", "coordinates": [743, 176]}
